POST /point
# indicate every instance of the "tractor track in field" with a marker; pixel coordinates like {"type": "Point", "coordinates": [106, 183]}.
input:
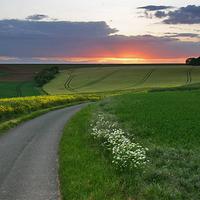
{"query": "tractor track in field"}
{"type": "Point", "coordinates": [98, 80]}
{"type": "Point", "coordinates": [68, 81]}
{"type": "Point", "coordinates": [145, 78]}
{"type": "Point", "coordinates": [189, 77]}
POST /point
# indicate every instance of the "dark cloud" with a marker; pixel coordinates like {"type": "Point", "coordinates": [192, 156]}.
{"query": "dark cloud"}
{"type": "Point", "coordinates": [160, 14]}
{"type": "Point", "coordinates": [37, 17]}
{"type": "Point", "coordinates": [190, 35]}
{"type": "Point", "coordinates": [184, 15]}
{"type": "Point", "coordinates": [29, 39]}
{"type": "Point", "coordinates": [155, 8]}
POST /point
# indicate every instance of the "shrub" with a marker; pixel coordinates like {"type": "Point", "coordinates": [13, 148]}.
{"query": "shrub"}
{"type": "Point", "coordinates": [46, 75]}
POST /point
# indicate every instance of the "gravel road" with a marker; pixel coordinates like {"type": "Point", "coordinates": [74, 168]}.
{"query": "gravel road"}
{"type": "Point", "coordinates": [29, 155]}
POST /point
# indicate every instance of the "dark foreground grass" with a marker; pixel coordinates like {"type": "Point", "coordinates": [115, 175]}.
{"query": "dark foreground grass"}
{"type": "Point", "coordinates": [166, 122]}
{"type": "Point", "coordinates": [189, 87]}
{"type": "Point", "coordinates": [84, 171]}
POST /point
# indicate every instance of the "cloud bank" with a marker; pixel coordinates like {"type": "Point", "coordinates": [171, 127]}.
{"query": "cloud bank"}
{"type": "Point", "coordinates": [89, 40]}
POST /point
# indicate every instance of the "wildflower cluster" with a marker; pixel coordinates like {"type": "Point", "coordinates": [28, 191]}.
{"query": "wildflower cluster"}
{"type": "Point", "coordinates": [126, 153]}
{"type": "Point", "coordinates": [20, 105]}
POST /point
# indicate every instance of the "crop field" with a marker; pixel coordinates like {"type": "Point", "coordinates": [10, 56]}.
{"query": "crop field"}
{"type": "Point", "coordinates": [17, 80]}
{"type": "Point", "coordinates": [18, 89]}
{"type": "Point", "coordinates": [121, 78]}
{"type": "Point", "coordinates": [166, 124]}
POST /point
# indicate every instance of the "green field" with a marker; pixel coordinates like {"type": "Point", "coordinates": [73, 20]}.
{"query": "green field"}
{"type": "Point", "coordinates": [17, 80]}
{"type": "Point", "coordinates": [167, 123]}
{"type": "Point", "coordinates": [2, 73]}
{"type": "Point", "coordinates": [18, 89]}
{"type": "Point", "coordinates": [120, 78]}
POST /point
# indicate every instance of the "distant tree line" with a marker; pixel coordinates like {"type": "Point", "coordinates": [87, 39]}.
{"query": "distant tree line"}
{"type": "Point", "coordinates": [193, 61]}
{"type": "Point", "coordinates": [46, 75]}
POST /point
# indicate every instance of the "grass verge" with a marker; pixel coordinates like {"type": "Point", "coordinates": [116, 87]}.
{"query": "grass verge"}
{"type": "Point", "coordinates": [84, 171]}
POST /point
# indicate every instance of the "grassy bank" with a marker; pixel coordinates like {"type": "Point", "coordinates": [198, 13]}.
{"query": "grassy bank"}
{"type": "Point", "coordinates": [165, 122]}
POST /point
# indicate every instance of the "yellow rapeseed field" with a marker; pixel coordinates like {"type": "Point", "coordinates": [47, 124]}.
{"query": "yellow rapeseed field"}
{"type": "Point", "coordinates": [21, 105]}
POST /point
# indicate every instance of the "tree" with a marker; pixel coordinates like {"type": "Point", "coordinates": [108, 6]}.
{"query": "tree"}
{"type": "Point", "coordinates": [198, 61]}
{"type": "Point", "coordinates": [193, 61]}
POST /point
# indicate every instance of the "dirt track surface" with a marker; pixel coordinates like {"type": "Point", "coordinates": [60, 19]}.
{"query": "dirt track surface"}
{"type": "Point", "coordinates": [28, 157]}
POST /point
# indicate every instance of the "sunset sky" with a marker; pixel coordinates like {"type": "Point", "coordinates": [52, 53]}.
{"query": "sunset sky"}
{"type": "Point", "coordinates": [99, 31]}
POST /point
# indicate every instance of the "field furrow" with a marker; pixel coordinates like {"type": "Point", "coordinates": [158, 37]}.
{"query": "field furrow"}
{"type": "Point", "coordinates": [189, 77]}
{"type": "Point", "coordinates": [122, 78]}
{"type": "Point", "coordinates": [146, 77]}
{"type": "Point", "coordinates": [68, 81]}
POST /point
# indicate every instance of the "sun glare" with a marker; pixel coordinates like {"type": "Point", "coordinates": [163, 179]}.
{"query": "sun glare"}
{"type": "Point", "coordinates": [122, 60]}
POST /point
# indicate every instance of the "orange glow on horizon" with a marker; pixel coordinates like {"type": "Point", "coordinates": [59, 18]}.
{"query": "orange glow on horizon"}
{"type": "Point", "coordinates": [123, 60]}
{"type": "Point", "coordinates": [111, 60]}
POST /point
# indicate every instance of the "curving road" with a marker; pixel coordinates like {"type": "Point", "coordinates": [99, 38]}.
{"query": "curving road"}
{"type": "Point", "coordinates": [28, 157]}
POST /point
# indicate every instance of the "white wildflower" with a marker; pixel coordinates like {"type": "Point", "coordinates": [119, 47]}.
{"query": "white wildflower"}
{"type": "Point", "coordinates": [125, 153]}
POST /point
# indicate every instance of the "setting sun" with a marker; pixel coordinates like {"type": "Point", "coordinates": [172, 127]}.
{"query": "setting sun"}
{"type": "Point", "coordinates": [122, 60]}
